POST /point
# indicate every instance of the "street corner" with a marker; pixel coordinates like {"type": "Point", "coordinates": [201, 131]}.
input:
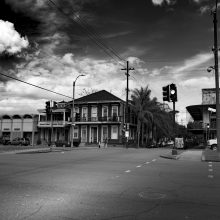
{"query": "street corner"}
{"type": "Point", "coordinates": [209, 155]}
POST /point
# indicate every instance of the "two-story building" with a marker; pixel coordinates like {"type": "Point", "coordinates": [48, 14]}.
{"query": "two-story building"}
{"type": "Point", "coordinates": [97, 117]}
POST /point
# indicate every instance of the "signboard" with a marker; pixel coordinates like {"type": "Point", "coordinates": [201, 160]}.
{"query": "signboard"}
{"type": "Point", "coordinates": [179, 143]}
{"type": "Point", "coordinates": [127, 134]}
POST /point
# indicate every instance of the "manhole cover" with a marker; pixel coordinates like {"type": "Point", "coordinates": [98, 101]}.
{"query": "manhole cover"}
{"type": "Point", "coordinates": [151, 195]}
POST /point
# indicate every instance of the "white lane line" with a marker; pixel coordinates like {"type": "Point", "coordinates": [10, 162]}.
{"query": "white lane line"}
{"type": "Point", "coordinates": [210, 165]}
{"type": "Point", "coordinates": [138, 166]}
{"type": "Point", "coordinates": [210, 162]}
{"type": "Point", "coordinates": [127, 171]}
{"type": "Point", "coordinates": [114, 177]}
{"type": "Point", "coordinates": [210, 170]}
{"type": "Point", "coordinates": [154, 160]}
{"type": "Point", "coordinates": [147, 162]}
{"type": "Point", "coordinates": [210, 176]}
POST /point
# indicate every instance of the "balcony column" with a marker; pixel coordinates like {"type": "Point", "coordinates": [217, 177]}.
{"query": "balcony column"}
{"type": "Point", "coordinates": [64, 117]}
{"type": "Point", "coordinates": [33, 133]}
{"type": "Point", "coordinates": [22, 127]}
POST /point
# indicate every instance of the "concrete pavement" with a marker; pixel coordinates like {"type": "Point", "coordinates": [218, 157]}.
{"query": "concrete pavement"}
{"type": "Point", "coordinates": [194, 155]}
{"type": "Point", "coordinates": [112, 183]}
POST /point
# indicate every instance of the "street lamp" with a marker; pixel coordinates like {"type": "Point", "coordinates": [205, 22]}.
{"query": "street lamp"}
{"type": "Point", "coordinates": [74, 84]}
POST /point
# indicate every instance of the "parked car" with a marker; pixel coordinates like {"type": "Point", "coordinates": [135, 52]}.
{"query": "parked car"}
{"type": "Point", "coordinates": [20, 141]}
{"type": "Point", "coordinates": [170, 143]}
{"type": "Point", "coordinates": [212, 144]}
{"type": "Point", "coordinates": [61, 143]}
{"type": "Point", "coordinates": [5, 140]}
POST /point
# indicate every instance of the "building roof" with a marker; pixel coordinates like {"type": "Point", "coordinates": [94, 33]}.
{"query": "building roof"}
{"type": "Point", "coordinates": [196, 111]}
{"type": "Point", "coordinates": [100, 96]}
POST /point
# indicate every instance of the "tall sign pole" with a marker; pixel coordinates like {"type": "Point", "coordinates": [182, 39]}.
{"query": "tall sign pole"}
{"type": "Point", "coordinates": [127, 91]}
{"type": "Point", "coordinates": [215, 50]}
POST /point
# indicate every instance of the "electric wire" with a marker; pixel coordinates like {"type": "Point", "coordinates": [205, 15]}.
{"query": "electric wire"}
{"type": "Point", "coordinates": [57, 93]}
{"type": "Point", "coordinates": [93, 36]}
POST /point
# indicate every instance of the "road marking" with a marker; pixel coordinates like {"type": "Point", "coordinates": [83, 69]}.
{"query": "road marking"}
{"type": "Point", "coordinates": [127, 171]}
{"type": "Point", "coordinates": [210, 170]}
{"type": "Point", "coordinates": [147, 162]}
{"type": "Point", "coordinates": [210, 162]}
{"type": "Point", "coordinates": [138, 166]}
{"type": "Point", "coordinates": [210, 176]}
{"type": "Point", "coordinates": [114, 177]}
{"type": "Point", "coordinates": [210, 165]}
{"type": "Point", "coordinates": [154, 160]}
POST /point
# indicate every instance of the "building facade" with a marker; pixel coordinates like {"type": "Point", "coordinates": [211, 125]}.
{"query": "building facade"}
{"type": "Point", "coordinates": [99, 116]}
{"type": "Point", "coordinates": [23, 126]}
{"type": "Point", "coordinates": [204, 115]}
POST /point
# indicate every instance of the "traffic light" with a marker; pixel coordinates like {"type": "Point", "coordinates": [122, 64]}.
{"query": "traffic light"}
{"type": "Point", "coordinates": [77, 117]}
{"type": "Point", "coordinates": [48, 107]}
{"type": "Point", "coordinates": [55, 104]}
{"type": "Point", "coordinates": [124, 127]}
{"type": "Point", "coordinates": [173, 92]}
{"type": "Point", "coordinates": [127, 127]}
{"type": "Point", "coordinates": [166, 93]}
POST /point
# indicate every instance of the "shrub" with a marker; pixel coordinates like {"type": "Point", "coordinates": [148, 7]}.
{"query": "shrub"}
{"type": "Point", "coordinates": [38, 142]}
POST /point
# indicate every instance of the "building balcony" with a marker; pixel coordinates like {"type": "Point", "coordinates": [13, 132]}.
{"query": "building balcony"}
{"type": "Point", "coordinates": [56, 124]}
{"type": "Point", "coordinates": [107, 119]}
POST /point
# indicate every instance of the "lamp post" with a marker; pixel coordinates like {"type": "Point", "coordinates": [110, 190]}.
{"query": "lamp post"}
{"type": "Point", "coordinates": [74, 84]}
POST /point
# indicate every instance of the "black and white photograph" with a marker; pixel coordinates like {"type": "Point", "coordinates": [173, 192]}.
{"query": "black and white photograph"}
{"type": "Point", "coordinates": [109, 110]}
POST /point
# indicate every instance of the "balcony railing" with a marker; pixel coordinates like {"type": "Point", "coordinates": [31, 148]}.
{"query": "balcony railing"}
{"type": "Point", "coordinates": [98, 119]}
{"type": "Point", "coordinates": [49, 124]}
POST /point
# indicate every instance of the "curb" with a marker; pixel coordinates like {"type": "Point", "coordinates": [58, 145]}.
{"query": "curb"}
{"type": "Point", "coordinates": [169, 156]}
{"type": "Point", "coordinates": [173, 155]}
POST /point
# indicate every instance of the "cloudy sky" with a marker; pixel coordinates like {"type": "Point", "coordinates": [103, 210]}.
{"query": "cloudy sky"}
{"type": "Point", "coordinates": [48, 43]}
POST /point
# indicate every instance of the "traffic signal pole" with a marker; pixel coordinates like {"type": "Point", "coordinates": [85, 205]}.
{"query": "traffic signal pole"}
{"type": "Point", "coordinates": [170, 94]}
{"type": "Point", "coordinates": [174, 125]}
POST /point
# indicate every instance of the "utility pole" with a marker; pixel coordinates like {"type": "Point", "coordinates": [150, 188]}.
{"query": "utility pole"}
{"type": "Point", "coordinates": [126, 107]}
{"type": "Point", "coordinates": [215, 50]}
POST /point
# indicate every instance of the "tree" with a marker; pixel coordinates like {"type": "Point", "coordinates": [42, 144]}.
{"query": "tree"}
{"type": "Point", "coordinates": [88, 92]}
{"type": "Point", "coordinates": [140, 99]}
{"type": "Point", "coordinates": [151, 117]}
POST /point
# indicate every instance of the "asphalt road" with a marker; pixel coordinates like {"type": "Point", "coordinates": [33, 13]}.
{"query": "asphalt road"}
{"type": "Point", "coordinates": [108, 184]}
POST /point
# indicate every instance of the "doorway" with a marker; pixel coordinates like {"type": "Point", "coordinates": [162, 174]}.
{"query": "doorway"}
{"type": "Point", "coordinates": [94, 135]}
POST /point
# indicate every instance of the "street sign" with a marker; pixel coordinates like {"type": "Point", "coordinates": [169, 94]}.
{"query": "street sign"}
{"type": "Point", "coordinates": [127, 134]}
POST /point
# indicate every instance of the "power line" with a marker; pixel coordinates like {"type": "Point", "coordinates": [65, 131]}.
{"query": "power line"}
{"type": "Point", "coordinates": [39, 87]}
{"type": "Point", "coordinates": [93, 36]}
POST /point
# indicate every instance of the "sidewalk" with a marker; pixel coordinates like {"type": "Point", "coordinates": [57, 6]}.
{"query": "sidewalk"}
{"type": "Point", "coordinates": [204, 155]}
{"type": "Point", "coordinates": [8, 149]}
{"type": "Point", "coordinates": [210, 155]}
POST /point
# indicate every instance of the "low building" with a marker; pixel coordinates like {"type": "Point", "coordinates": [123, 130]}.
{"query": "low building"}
{"type": "Point", "coordinates": [98, 117]}
{"type": "Point", "coordinates": [204, 115]}
{"type": "Point", "coordinates": [13, 126]}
